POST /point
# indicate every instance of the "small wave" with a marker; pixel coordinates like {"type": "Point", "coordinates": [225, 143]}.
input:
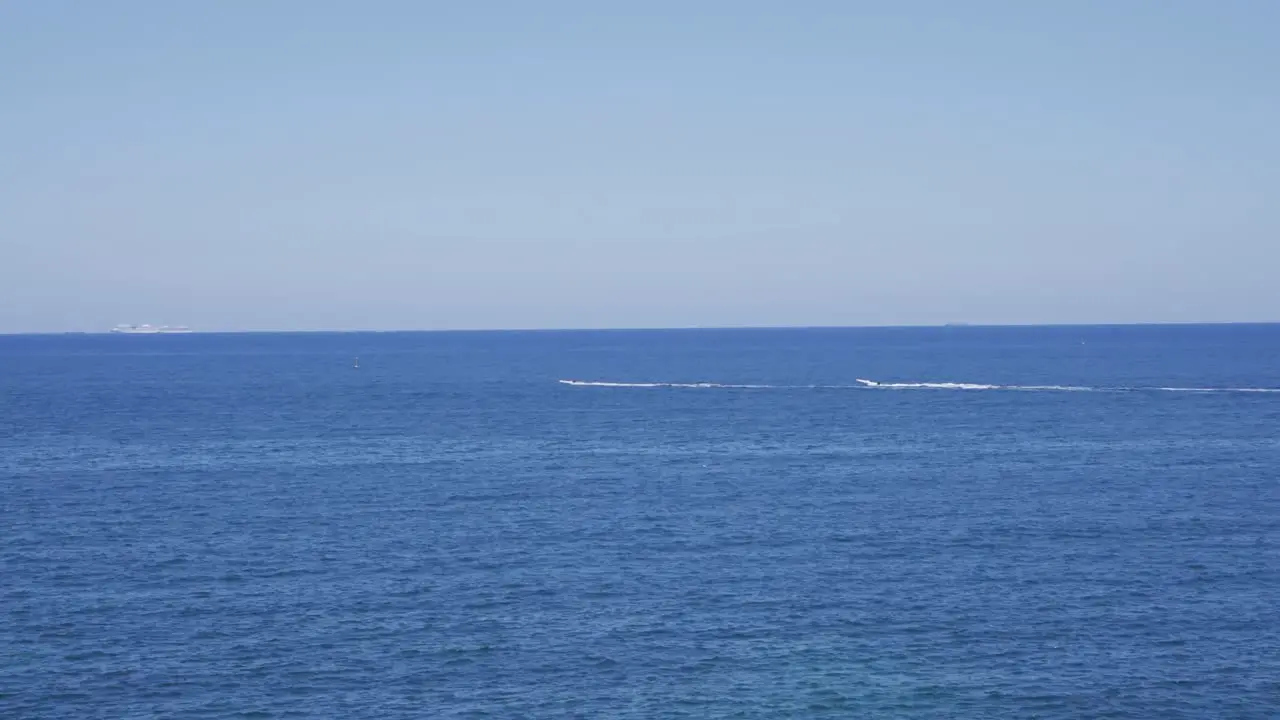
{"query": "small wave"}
{"type": "Point", "coordinates": [865, 384]}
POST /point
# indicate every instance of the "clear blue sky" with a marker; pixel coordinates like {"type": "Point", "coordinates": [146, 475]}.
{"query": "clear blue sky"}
{"type": "Point", "coordinates": [304, 164]}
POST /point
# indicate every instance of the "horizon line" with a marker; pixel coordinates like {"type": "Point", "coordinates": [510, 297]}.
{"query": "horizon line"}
{"type": "Point", "coordinates": [681, 328]}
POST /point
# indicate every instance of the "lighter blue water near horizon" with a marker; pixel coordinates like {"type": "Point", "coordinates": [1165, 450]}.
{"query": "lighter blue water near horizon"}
{"type": "Point", "coordinates": [1086, 524]}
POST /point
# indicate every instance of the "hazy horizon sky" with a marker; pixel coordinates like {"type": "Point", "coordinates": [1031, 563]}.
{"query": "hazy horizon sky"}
{"type": "Point", "coordinates": [279, 164]}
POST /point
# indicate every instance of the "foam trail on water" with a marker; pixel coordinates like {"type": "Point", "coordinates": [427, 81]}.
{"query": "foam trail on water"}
{"type": "Point", "coordinates": [874, 384]}
{"type": "Point", "coordinates": [864, 384]}
{"type": "Point", "coordinates": [930, 385]}
{"type": "Point", "coordinates": [1217, 390]}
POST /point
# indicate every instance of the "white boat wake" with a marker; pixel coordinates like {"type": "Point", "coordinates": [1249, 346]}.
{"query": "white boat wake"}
{"type": "Point", "coordinates": [865, 384]}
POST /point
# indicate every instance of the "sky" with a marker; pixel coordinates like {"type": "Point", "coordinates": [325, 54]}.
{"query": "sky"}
{"type": "Point", "coordinates": [408, 164]}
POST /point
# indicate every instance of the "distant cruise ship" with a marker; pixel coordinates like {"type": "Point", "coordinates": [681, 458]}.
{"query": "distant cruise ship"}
{"type": "Point", "coordinates": [149, 329]}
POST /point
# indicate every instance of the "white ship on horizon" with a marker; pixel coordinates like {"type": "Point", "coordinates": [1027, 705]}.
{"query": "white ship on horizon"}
{"type": "Point", "coordinates": [149, 329]}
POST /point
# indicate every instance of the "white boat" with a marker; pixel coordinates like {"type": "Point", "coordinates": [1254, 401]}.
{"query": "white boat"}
{"type": "Point", "coordinates": [149, 329]}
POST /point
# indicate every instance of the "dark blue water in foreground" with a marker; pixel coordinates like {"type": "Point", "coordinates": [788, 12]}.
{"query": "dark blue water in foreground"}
{"type": "Point", "coordinates": [247, 526]}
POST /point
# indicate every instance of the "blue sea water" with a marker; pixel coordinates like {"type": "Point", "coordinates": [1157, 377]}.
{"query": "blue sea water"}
{"type": "Point", "coordinates": [1085, 525]}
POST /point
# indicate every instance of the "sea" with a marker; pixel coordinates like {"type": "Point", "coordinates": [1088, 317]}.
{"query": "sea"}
{"type": "Point", "coordinates": [947, 522]}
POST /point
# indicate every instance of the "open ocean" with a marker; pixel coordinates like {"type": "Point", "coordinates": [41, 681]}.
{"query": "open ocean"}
{"type": "Point", "coordinates": [1068, 522]}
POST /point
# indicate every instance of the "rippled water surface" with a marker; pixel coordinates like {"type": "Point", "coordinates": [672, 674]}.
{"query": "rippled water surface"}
{"type": "Point", "coordinates": [958, 523]}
